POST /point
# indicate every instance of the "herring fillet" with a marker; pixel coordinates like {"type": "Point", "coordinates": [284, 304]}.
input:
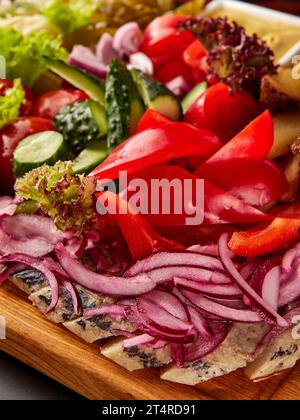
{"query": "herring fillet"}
{"type": "Point", "coordinates": [100, 327]}
{"type": "Point", "coordinates": [233, 354]}
{"type": "Point", "coordinates": [280, 355]}
{"type": "Point", "coordinates": [136, 357]}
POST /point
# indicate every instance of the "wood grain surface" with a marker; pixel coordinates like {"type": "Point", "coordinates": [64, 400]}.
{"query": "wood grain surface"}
{"type": "Point", "coordinates": [52, 350]}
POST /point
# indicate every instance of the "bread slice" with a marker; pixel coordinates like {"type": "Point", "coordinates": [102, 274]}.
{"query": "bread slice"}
{"type": "Point", "coordinates": [137, 357]}
{"type": "Point", "coordinates": [235, 353]}
{"type": "Point", "coordinates": [281, 354]}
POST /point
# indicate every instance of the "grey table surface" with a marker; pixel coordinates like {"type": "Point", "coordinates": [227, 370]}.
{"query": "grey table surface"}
{"type": "Point", "coordinates": [19, 382]}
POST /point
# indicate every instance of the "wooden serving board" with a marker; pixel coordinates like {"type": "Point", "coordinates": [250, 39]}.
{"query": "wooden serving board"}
{"type": "Point", "coordinates": [52, 350]}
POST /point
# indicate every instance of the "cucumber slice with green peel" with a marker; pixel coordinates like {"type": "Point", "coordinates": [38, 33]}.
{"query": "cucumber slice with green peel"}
{"type": "Point", "coordinates": [80, 79]}
{"type": "Point", "coordinates": [193, 95]}
{"type": "Point", "coordinates": [125, 107]}
{"type": "Point", "coordinates": [91, 157]}
{"type": "Point", "coordinates": [157, 96]}
{"type": "Point", "coordinates": [47, 147]}
{"type": "Point", "coordinates": [100, 117]}
{"type": "Point", "coordinates": [81, 123]}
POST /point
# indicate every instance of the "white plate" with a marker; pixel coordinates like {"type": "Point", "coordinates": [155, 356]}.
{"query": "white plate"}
{"type": "Point", "coordinates": [262, 12]}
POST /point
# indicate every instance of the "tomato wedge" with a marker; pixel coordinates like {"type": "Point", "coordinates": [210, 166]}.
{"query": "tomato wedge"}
{"type": "Point", "coordinates": [141, 238]}
{"type": "Point", "coordinates": [267, 239]}
{"type": "Point", "coordinates": [10, 137]}
{"type": "Point", "coordinates": [153, 147]}
{"type": "Point", "coordinates": [258, 183]}
{"type": "Point", "coordinates": [194, 54]}
{"type": "Point", "coordinates": [49, 104]}
{"type": "Point", "coordinates": [221, 112]}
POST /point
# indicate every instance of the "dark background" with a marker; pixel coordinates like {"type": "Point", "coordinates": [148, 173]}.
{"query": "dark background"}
{"type": "Point", "coordinates": [20, 382]}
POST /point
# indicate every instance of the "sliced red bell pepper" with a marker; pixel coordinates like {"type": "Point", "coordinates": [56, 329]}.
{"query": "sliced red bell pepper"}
{"type": "Point", "coordinates": [152, 119]}
{"type": "Point", "coordinates": [223, 113]}
{"type": "Point", "coordinates": [191, 235]}
{"type": "Point", "coordinates": [153, 147]}
{"type": "Point", "coordinates": [267, 239]}
{"type": "Point", "coordinates": [220, 207]}
{"type": "Point", "coordinates": [258, 183]}
{"type": "Point", "coordinates": [141, 238]}
{"type": "Point", "coordinates": [253, 143]}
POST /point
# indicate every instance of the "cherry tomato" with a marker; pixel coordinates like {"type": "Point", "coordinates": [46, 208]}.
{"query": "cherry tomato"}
{"type": "Point", "coordinates": [29, 96]}
{"type": "Point", "coordinates": [10, 137]}
{"type": "Point", "coordinates": [221, 112]}
{"type": "Point", "coordinates": [49, 104]}
{"type": "Point", "coordinates": [162, 35]}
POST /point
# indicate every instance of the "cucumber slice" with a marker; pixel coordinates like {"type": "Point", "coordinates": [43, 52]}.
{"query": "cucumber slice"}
{"type": "Point", "coordinates": [92, 156]}
{"type": "Point", "coordinates": [100, 117]}
{"type": "Point", "coordinates": [157, 96]}
{"type": "Point", "coordinates": [193, 95]}
{"type": "Point", "coordinates": [80, 79]}
{"type": "Point", "coordinates": [81, 123]}
{"type": "Point", "coordinates": [47, 147]}
{"type": "Point", "coordinates": [125, 107]}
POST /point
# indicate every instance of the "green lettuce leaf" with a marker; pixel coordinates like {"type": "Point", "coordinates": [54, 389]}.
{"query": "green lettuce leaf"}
{"type": "Point", "coordinates": [10, 104]}
{"type": "Point", "coordinates": [67, 198]}
{"type": "Point", "coordinates": [70, 16]}
{"type": "Point", "coordinates": [25, 56]}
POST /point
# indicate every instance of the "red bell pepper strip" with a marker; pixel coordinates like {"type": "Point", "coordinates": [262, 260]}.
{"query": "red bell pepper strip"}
{"type": "Point", "coordinates": [258, 183]}
{"type": "Point", "coordinates": [152, 119]}
{"type": "Point", "coordinates": [191, 235]}
{"type": "Point", "coordinates": [153, 147]}
{"type": "Point", "coordinates": [223, 113]}
{"type": "Point", "coordinates": [267, 239]}
{"type": "Point", "coordinates": [220, 207]}
{"type": "Point", "coordinates": [141, 238]}
{"type": "Point", "coordinates": [254, 142]}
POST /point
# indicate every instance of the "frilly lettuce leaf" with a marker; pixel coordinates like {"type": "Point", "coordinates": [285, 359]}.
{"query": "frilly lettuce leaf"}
{"type": "Point", "coordinates": [10, 104]}
{"type": "Point", "coordinates": [67, 198]}
{"type": "Point", "coordinates": [70, 16]}
{"type": "Point", "coordinates": [25, 56]}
